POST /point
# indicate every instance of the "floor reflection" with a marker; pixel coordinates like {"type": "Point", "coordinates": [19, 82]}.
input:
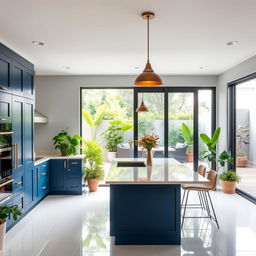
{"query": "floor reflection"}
{"type": "Point", "coordinates": [79, 226]}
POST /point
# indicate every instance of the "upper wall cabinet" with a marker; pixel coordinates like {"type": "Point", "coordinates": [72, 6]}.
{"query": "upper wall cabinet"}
{"type": "Point", "coordinates": [5, 69]}
{"type": "Point", "coordinates": [16, 74]}
{"type": "Point", "coordinates": [17, 79]}
{"type": "Point", "coordinates": [28, 83]}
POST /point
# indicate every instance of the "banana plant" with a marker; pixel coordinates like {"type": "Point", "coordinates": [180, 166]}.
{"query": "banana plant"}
{"type": "Point", "coordinates": [188, 137]}
{"type": "Point", "coordinates": [210, 153]}
{"type": "Point", "coordinates": [95, 121]}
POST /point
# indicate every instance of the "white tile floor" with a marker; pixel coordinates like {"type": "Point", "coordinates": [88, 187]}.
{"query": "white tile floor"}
{"type": "Point", "coordinates": [79, 225]}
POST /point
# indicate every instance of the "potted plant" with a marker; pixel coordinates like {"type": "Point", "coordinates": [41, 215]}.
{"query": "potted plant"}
{"type": "Point", "coordinates": [242, 135]}
{"type": "Point", "coordinates": [188, 137]}
{"type": "Point", "coordinates": [148, 141]}
{"type": "Point", "coordinates": [210, 153]}
{"type": "Point", "coordinates": [5, 211]}
{"type": "Point", "coordinates": [114, 136]}
{"type": "Point", "coordinates": [229, 179]}
{"type": "Point", "coordinates": [66, 144]}
{"type": "Point", "coordinates": [93, 170]}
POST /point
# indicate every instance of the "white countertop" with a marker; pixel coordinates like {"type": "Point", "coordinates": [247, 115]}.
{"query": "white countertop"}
{"type": "Point", "coordinates": [46, 158]}
{"type": "Point", "coordinates": [163, 171]}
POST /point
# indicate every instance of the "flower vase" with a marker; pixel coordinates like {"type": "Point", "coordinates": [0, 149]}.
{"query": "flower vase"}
{"type": "Point", "coordinates": [149, 158]}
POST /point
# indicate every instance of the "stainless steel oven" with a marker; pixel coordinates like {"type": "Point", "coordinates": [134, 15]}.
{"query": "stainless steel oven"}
{"type": "Point", "coordinates": [5, 161]}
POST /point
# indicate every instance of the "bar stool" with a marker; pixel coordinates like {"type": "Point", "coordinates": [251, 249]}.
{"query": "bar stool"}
{"type": "Point", "coordinates": [201, 170]}
{"type": "Point", "coordinates": [206, 198]}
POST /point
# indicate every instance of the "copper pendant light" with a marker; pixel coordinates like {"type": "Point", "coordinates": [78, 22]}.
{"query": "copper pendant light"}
{"type": "Point", "coordinates": [148, 77]}
{"type": "Point", "coordinates": [142, 107]}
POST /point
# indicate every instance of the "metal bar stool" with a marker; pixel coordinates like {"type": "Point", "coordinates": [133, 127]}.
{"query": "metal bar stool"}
{"type": "Point", "coordinates": [205, 197]}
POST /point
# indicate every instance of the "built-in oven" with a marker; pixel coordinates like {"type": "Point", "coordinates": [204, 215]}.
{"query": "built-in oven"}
{"type": "Point", "coordinates": [5, 161]}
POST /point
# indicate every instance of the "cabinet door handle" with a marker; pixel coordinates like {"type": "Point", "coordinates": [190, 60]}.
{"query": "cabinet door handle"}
{"type": "Point", "coordinates": [19, 182]}
{"type": "Point", "coordinates": [43, 188]}
{"type": "Point", "coordinates": [3, 88]}
{"type": "Point", "coordinates": [43, 173]}
{"type": "Point", "coordinates": [2, 119]}
{"type": "Point", "coordinates": [74, 163]}
{"type": "Point", "coordinates": [65, 164]}
{"type": "Point", "coordinates": [16, 156]}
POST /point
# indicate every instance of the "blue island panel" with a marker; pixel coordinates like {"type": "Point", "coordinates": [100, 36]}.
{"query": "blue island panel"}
{"type": "Point", "coordinates": [145, 214]}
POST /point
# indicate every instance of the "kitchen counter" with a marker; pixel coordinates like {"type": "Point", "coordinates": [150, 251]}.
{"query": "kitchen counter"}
{"type": "Point", "coordinates": [163, 171]}
{"type": "Point", "coordinates": [145, 207]}
{"type": "Point", "coordinates": [41, 159]}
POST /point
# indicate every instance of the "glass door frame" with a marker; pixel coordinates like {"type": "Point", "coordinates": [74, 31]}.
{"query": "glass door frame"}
{"type": "Point", "coordinates": [232, 126]}
{"type": "Point", "coordinates": [166, 91]}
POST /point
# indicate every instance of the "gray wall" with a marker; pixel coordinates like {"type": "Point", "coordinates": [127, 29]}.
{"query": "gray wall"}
{"type": "Point", "coordinates": [245, 68]}
{"type": "Point", "coordinates": [57, 97]}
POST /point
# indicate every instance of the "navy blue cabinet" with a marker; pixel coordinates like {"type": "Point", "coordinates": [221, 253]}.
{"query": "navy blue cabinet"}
{"type": "Point", "coordinates": [43, 179]}
{"type": "Point", "coordinates": [5, 107]}
{"type": "Point", "coordinates": [31, 178]}
{"type": "Point", "coordinates": [5, 75]}
{"type": "Point", "coordinates": [66, 176]}
{"type": "Point", "coordinates": [17, 76]}
{"type": "Point", "coordinates": [28, 83]}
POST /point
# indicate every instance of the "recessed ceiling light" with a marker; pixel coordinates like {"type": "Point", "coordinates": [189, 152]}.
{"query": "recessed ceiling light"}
{"type": "Point", "coordinates": [232, 43]}
{"type": "Point", "coordinates": [201, 67]}
{"type": "Point", "coordinates": [65, 67]}
{"type": "Point", "coordinates": [136, 67]}
{"type": "Point", "coordinates": [37, 43]}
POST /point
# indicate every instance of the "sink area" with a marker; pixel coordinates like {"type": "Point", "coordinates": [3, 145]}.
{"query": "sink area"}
{"type": "Point", "coordinates": [131, 164]}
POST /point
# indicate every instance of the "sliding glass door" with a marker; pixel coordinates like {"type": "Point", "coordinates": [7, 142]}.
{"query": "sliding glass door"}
{"type": "Point", "coordinates": [177, 116]}
{"type": "Point", "coordinates": [242, 124]}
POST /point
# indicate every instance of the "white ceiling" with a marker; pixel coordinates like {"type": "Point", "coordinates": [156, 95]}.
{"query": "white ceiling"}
{"type": "Point", "coordinates": [108, 36]}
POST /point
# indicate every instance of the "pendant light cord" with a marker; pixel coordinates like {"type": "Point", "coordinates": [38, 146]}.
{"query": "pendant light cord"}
{"type": "Point", "coordinates": [148, 38]}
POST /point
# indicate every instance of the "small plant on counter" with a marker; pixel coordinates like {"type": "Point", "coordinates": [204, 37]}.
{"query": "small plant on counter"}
{"type": "Point", "coordinates": [5, 212]}
{"type": "Point", "coordinates": [114, 135]}
{"type": "Point", "coordinates": [93, 170]}
{"type": "Point", "coordinates": [188, 137]}
{"type": "Point", "coordinates": [148, 142]}
{"type": "Point", "coordinates": [66, 144]}
{"type": "Point", "coordinates": [228, 181]}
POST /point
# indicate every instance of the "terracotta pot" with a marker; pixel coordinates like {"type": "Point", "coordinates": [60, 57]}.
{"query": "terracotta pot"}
{"type": "Point", "coordinates": [190, 157]}
{"type": "Point", "coordinates": [2, 235]}
{"type": "Point", "coordinates": [229, 187]}
{"type": "Point", "coordinates": [93, 184]}
{"type": "Point", "coordinates": [149, 158]}
{"type": "Point", "coordinates": [111, 156]}
{"type": "Point", "coordinates": [241, 161]}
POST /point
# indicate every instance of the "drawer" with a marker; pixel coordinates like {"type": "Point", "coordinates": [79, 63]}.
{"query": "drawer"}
{"type": "Point", "coordinates": [74, 163]}
{"type": "Point", "coordinates": [19, 201]}
{"type": "Point", "coordinates": [43, 187]}
{"type": "Point", "coordinates": [18, 185]}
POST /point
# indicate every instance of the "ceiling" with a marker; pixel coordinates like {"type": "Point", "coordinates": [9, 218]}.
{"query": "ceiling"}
{"type": "Point", "coordinates": [109, 36]}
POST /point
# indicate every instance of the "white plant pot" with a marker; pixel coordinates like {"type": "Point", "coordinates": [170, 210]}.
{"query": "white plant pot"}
{"type": "Point", "coordinates": [111, 156]}
{"type": "Point", "coordinates": [2, 235]}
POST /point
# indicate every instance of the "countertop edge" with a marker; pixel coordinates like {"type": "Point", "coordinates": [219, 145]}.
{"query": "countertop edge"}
{"type": "Point", "coordinates": [47, 158]}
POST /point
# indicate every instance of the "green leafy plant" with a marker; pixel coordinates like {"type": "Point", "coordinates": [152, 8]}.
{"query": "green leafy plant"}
{"type": "Point", "coordinates": [114, 134]}
{"type": "Point", "coordinates": [66, 144]}
{"type": "Point", "coordinates": [242, 135]}
{"type": "Point", "coordinates": [94, 122]}
{"type": "Point", "coordinates": [6, 210]}
{"type": "Point", "coordinates": [94, 160]}
{"type": "Point", "coordinates": [188, 137]}
{"type": "Point", "coordinates": [210, 153]}
{"type": "Point", "coordinates": [229, 176]}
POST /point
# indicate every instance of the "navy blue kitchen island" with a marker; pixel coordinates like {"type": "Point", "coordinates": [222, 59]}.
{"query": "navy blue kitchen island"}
{"type": "Point", "coordinates": [145, 201]}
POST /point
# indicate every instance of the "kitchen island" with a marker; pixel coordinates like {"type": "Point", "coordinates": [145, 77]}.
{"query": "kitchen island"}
{"type": "Point", "coordinates": [145, 201]}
